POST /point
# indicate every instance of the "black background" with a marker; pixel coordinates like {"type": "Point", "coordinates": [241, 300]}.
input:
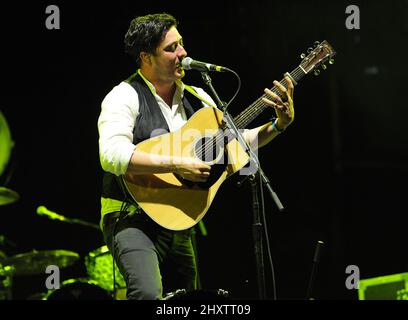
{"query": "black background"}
{"type": "Point", "coordinates": [339, 169]}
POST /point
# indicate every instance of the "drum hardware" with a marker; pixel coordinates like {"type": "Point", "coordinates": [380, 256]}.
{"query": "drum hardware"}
{"type": "Point", "coordinates": [8, 196]}
{"type": "Point", "coordinates": [6, 282]}
{"type": "Point", "coordinates": [99, 264]}
{"type": "Point", "coordinates": [78, 289]}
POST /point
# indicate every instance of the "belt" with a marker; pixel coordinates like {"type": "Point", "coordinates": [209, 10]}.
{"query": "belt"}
{"type": "Point", "coordinates": [110, 217]}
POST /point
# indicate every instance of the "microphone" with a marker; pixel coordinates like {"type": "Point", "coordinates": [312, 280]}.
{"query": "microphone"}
{"type": "Point", "coordinates": [41, 210]}
{"type": "Point", "coordinates": [187, 63]}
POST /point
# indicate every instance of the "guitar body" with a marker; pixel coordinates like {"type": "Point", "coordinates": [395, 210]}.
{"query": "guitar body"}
{"type": "Point", "coordinates": [175, 203]}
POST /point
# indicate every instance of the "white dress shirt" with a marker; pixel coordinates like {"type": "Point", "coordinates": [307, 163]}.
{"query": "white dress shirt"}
{"type": "Point", "coordinates": [116, 122]}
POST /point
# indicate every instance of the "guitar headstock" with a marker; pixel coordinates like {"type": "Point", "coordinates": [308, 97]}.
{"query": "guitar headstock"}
{"type": "Point", "coordinates": [316, 57]}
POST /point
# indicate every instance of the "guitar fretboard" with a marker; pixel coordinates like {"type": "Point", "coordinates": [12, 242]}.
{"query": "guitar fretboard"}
{"type": "Point", "coordinates": [257, 107]}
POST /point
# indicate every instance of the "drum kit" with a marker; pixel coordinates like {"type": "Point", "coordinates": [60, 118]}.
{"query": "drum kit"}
{"type": "Point", "coordinates": [98, 283]}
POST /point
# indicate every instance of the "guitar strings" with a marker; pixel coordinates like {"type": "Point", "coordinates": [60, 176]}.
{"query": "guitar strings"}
{"type": "Point", "coordinates": [250, 113]}
{"type": "Point", "coordinates": [207, 149]}
{"type": "Point", "coordinates": [259, 104]}
{"type": "Point", "coordinates": [257, 107]}
{"type": "Point", "coordinates": [296, 74]}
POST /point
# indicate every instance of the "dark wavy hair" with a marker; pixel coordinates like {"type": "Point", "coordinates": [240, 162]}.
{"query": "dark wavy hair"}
{"type": "Point", "coordinates": [146, 32]}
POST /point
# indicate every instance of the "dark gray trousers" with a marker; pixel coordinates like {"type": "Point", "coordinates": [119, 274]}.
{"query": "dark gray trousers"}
{"type": "Point", "coordinates": [152, 260]}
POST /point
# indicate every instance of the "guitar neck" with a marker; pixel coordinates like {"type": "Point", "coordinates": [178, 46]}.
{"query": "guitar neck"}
{"type": "Point", "coordinates": [258, 106]}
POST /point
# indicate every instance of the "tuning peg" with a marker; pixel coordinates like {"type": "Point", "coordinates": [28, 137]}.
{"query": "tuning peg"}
{"type": "Point", "coordinates": [303, 55]}
{"type": "Point", "coordinates": [331, 61]}
{"type": "Point", "coordinates": [310, 49]}
{"type": "Point", "coordinates": [324, 67]}
{"type": "Point", "coordinates": [316, 43]}
{"type": "Point", "coordinates": [316, 72]}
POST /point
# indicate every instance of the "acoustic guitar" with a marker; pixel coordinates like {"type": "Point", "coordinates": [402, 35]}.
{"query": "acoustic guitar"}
{"type": "Point", "coordinates": [178, 204]}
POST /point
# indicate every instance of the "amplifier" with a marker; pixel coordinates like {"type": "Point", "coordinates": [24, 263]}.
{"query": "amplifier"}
{"type": "Point", "coordinates": [389, 287]}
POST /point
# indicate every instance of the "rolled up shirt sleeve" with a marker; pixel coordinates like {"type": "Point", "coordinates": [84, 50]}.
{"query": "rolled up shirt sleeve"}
{"type": "Point", "coordinates": [116, 121]}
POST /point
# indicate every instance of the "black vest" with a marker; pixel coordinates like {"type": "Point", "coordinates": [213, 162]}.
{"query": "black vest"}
{"type": "Point", "coordinates": [149, 119]}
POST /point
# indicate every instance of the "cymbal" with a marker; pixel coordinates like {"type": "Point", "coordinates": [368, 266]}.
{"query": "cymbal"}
{"type": "Point", "coordinates": [7, 196]}
{"type": "Point", "coordinates": [36, 262]}
{"type": "Point", "coordinates": [6, 143]}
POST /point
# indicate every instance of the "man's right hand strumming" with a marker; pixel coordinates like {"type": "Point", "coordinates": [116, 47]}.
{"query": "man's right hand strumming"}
{"type": "Point", "coordinates": [192, 169]}
{"type": "Point", "coordinates": [188, 168]}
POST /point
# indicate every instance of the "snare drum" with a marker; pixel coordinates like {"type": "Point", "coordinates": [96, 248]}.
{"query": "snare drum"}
{"type": "Point", "coordinates": [78, 289]}
{"type": "Point", "coordinates": [99, 268]}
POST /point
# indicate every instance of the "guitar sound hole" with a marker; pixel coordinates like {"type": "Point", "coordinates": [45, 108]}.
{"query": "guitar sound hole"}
{"type": "Point", "coordinates": [212, 152]}
{"type": "Point", "coordinates": [209, 149]}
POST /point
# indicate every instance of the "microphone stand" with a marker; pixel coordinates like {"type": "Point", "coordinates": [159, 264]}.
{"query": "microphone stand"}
{"type": "Point", "coordinates": [257, 236]}
{"type": "Point", "coordinates": [316, 260]}
{"type": "Point", "coordinates": [257, 225]}
{"type": "Point", "coordinates": [55, 216]}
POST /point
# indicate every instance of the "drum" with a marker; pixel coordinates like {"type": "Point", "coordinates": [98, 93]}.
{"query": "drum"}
{"type": "Point", "coordinates": [99, 268]}
{"type": "Point", "coordinates": [78, 289]}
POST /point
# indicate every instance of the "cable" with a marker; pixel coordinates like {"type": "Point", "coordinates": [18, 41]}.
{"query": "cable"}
{"type": "Point", "coordinates": [123, 208]}
{"type": "Point", "coordinates": [207, 148]}
{"type": "Point", "coordinates": [268, 247]}
{"type": "Point", "coordinates": [237, 90]}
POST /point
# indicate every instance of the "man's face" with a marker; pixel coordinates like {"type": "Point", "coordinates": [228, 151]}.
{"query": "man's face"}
{"type": "Point", "coordinates": [166, 62]}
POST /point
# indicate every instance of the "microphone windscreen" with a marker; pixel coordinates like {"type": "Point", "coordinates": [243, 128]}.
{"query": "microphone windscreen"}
{"type": "Point", "coordinates": [186, 63]}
